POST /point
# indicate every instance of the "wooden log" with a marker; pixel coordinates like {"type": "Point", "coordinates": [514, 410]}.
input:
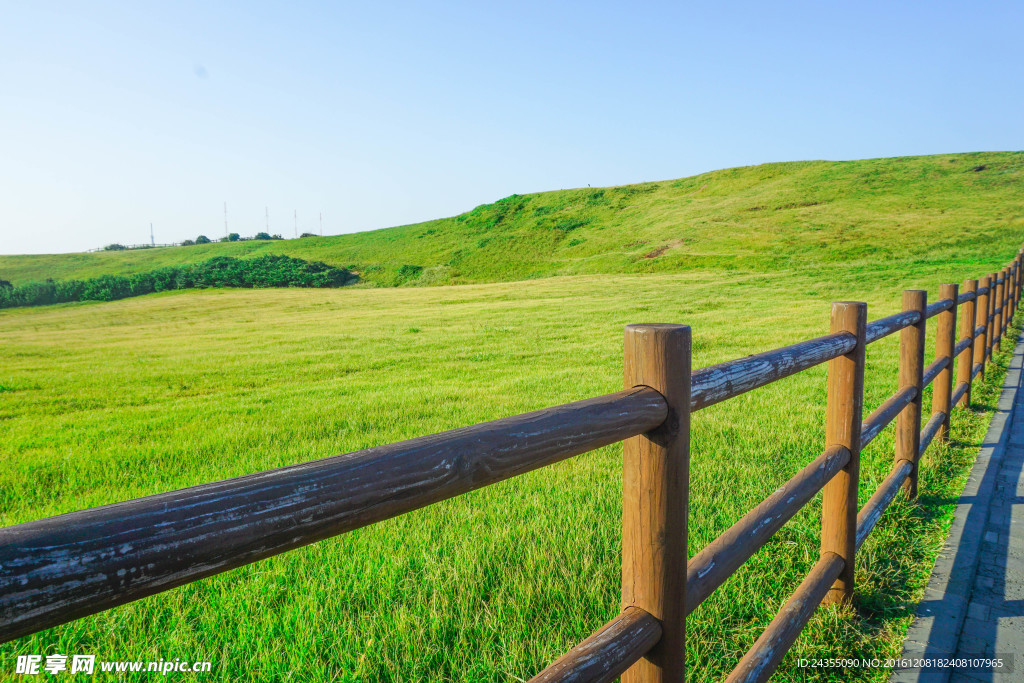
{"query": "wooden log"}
{"type": "Point", "coordinates": [961, 391]}
{"type": "Point", "coordinates": [1014, 276]}
{"type": "Point", "coordinates": [655, 490]}
{"type": "Point", "coordinates": [908, 423]}
{"type": "Point", "coordinates": [945, 339]}
{"type": "Point", "coordinates": [962, 346]}
{"type": "Point", "coordinates": [929, 374]}
{"type": "Point", "coordinates": [62, 568]}
{"type": "Point", "coordinates": [1004, 290]}
{"type": "Point", "coordinates": [842, 428]}
{"type": "Point", "coordinates": [710, 568]}
{"type": "Point", "coordinates": [990, 328]}
{"type": "Point", "coordinates": [929, 431]}
{"type": "Point", "coordinates": [997, 312]}
{"type": "Point", "coordinates": [894, 323]}
{"type": "Point", "coordinates": [881, 417]}
{"type": "Point", "coordinates": [966, 296]}
{"type": "Point", "coordinates": [943, 304]}
{"type": "Point", "coordinates": [981, 321]}
{"type": "Point", "coordinates": [612, 649]}
{"type": "Point", "coordinates": [1017, 284]}
{"type": "Point", "coordinates": [717, 383]}
{"type": "Point", "coordinates": [759, 663]}
{"type": "Point", "coordinates": [872, 511]}
{"type": "Point", "coordinates": [978, 369]}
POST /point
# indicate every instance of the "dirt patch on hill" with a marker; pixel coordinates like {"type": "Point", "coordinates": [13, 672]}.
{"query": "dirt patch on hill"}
{"type": "Point", "coordinates": [662, 249]}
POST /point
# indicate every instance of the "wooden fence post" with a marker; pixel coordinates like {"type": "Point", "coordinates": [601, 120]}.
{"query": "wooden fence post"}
{"type": "Point", "coordinates": [945, 341]}
{"type": "Point", "coordinates": [1016, 287]}
{"type": "Point", "coordinates": [966, 360]}
{"type": "Point", "coordinates": [655, 493]}
{"type": "Point", "coordinates": [842, 428]}
{"type": "Point", "coordinates": [981, 318]}
{"type": "Point", "coordinates": [1011, 290]}
{"type": "Point", "coordinates": [997, 312]}
{"type": "Point", "coordinates": [908, 422]}
{"type": "Point", "coordinates": [1004, 298]}
{"type": "Point", "coordinates": [990, 319]}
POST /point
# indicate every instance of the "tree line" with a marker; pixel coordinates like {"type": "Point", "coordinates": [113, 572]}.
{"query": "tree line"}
{"type": "Point", "coordinates": [222, 271]}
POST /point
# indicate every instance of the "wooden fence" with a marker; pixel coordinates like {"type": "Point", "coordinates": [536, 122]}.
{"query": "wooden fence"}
{"type": "Point", "coordinates": [59, 569]}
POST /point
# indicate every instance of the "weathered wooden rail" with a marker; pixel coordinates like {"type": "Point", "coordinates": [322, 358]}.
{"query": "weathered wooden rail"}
{"type": "Point", "coordinates": [62, 568]}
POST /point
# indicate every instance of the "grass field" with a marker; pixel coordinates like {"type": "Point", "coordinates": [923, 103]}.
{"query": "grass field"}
{"type": "Point", "coordinates": [104, 402]}
{"type": "Point", "coordinates": [800, 215]}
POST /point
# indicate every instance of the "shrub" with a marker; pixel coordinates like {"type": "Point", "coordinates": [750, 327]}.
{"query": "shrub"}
{"type": "Point", "coordinates": [408, 271]}
{"type": "Point", "coordinates": [308, 234]}
{"type": "Point", "coordinates": [114, 247]}
{"type": "Point", "coordinates": [222, 271]}
{"type": "Point", "coordinates": [262, 236]}
{"type": "Point", "coordinates": [202, 239]}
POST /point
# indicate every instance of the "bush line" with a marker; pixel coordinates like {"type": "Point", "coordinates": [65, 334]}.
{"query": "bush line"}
{"type": "Point", "coordinates": [222, 271]}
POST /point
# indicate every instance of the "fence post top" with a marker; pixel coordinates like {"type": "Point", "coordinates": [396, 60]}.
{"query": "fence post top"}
{"type": "Point", "coordinates": [655, 326]}
{"type": "Point", "coordinates": [915, 298]}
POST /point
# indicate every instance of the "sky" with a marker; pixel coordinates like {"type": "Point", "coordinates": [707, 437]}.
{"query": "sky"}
{"type": "Point", "coordinates": [114, 116]}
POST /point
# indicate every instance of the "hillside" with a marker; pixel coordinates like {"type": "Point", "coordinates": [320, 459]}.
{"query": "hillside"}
{"type": "Point", "coordinates": [781, 215]}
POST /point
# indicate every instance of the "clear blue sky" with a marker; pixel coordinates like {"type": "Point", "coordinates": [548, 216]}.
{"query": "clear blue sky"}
{"type": "Point", "coordinates": [115, 115]}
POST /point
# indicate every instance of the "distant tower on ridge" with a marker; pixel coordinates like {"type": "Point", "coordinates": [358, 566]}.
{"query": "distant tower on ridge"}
{"type": "Point", "coordinates": [225, 219]}
{"type": "Point", "coordinates": [152, 240]}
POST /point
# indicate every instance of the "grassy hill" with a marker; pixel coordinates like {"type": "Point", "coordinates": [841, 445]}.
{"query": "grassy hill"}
{"type": "Point", "coordinates": [783, 215]}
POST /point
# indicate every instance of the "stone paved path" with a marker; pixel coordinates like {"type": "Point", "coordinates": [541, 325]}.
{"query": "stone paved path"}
{"type": "Point", "coordinates": [994, 623]}
{"type": "Point", "coordinates": [974, 603]}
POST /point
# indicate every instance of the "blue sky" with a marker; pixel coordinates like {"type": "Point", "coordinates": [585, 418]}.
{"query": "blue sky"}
{"type": "Point", "coordinates": [115, 115]}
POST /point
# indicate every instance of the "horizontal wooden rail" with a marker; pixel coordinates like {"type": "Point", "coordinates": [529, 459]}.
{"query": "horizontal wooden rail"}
{"type": "Point", "coordinates": [928, 431]}
{"type": "Point", "coordinates": [980, 330]}
{"type": "Point", "coordinates": [885, 414]}
{"type": "Point", "coordinates": [872, 511]}
{"type": "Point", "coordinates": [883, 327]}
{"type": "Point", "coordinates": [708, 569]}
{"type": "Point", "coordinates": [62, 568]}
{"type": "Point", "coordinates": [608, 652]}
{"type": "Point", "coordinates": [760, 661]}
{"type": "Point", "coordinates": [977, 368]}
{"type": "Point", "coordinates": [933, 370]}
{"type": "Point", "coordinates": [958, 394]}
{"type": "Point", "coordinates": [983, 290]}
{"type": "Point", "coordinates": [961, 346]}
{"type": "Point", "coordinates": [717, 383]}
{"type": "Point", "coordinates": [938, 307]}
{"type": "Point", "coordinates": [964, 297]}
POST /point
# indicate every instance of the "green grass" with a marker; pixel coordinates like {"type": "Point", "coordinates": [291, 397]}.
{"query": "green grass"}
{"type": "Point", "coordinates": [814, 214]}
{"type": "Point", "coordinates": [102, 402]}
